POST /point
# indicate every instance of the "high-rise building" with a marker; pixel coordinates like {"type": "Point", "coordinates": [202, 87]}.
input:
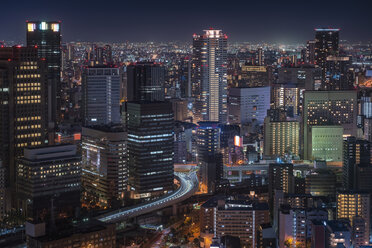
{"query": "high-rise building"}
{"type": "Point", "coordinates": [338, 74]}
{"type": "Point", "coordinates": [310, 51]}
{"type": "Point", "coordinates": [150, 148]}
{"type": "Point", "coordinates": [210, 76]}
{"type": "Point", "coordinates": [104, 162]}
{"type": "Point", "coordinates": [356, 156]}
{"type": "Point", "coordinates": [23, 105]}
{"type": "Point", "coordinates": [236, 217]}
{"type": "Point", "coordinates": [351, 204]}
{"type": "Point", "coordinates": [145, 82]}
{"type": "Point", "coordinates": [326, 44]}
{"type": "Point", "coordinates": [280, 179]}
{"type": "Point", "coordinates": [248, 104]}
{"type": "Point", "coordinates": [260, 57]}
{"type": "Point", "coordinates": [322, 108]}
{"type": "Point", "coordinates": [255, 76]}
{"type": "Point", "coordinates": [288, 98]}
{"type": "Point", "coordinates": [100, 96]}
{"type": "Point", "coordinates": [208, 158]}
{"type": "Point", "coordinates": [305, 77]}
{"type": "Point", "coordinates": [48, 182]}
{"type": "Point", "coordinates": [281, 137]}
{"type": "Point", "coordinates": [47, 37]}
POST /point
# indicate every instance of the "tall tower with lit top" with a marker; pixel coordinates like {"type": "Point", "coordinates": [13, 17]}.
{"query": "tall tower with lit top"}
{"type": "Point", "coordinates": [210, 76]}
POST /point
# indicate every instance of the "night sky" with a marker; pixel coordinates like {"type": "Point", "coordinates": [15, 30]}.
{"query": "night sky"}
{"type": "Point", "coordinates": [157, 20]}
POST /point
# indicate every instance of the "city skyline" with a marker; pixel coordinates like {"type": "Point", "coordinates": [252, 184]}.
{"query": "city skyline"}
{"type": "Point", "coordinates": [253, 22]}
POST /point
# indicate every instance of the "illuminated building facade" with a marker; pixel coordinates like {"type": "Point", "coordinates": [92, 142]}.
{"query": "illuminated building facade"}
{"type": "Point", "coordinates": [287, 97]}
{"type": "Point", "coordinates": [254, 76]}
{"type": "Point", "coordinates": [326, 143]}
{"type": "Point", "coordinates": [281, 137]}
{"type": "Point", "coordinates": [24, 104]}
{"type": "Point", "coordinates": [101, 96]}
{"type": "Point", "coordinates": [237, 217]}
{"type": "Point", "coordinates": [150, 148]}
{"type": "Point", "coordinates": [322, 108]}
{"type": "Point", "coordinates": [338, 74]}
{"type": "Point", "coordinates": [49, 176]}
{"type": "Point", "coordinates": [351, 204]}
{"type": "Point", "coordinates": [247, 104]}
{"type": "Point", "coordinates": [210, 76]}
{"type": "Point", "coordinates": [145, 82]}
{"type": "Point", "coordinates": [104, 162]}
{"type": "Point", "coordinates": [326, 44]}
{"type": "Point", "coordinates": [47, 37]}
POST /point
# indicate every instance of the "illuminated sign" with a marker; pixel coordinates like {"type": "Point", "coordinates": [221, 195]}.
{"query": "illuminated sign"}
{"type": "Point", "coordinates": [31, 27]}
{"type": "Point", "coordinates": [43, 26]}
{"type": "Point", "coordinates": [55, 27]}
{"type": "Point", "coordinates": [238, 141]}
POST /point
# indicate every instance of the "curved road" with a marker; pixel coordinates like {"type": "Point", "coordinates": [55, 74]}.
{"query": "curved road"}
{"type": "Point", "coordinates": [188, 186]}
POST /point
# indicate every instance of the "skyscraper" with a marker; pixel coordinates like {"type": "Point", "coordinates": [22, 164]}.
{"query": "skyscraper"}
{"type": "Point", "coordinates": [145, 82]}
{"type": "Point", "coordinates": [105, 172]}
{"type": "Point", "coordinates": [150, 148]}
{"type": "Point", "coordinates": [24, 108]}
{"type": "Point", "coordinates": [310, 51]}
{"type": "Point", "coordinates": [101, 96]}
{"type": "Point", "coordinates": [326, 44]}
{"type": "Point", "coordinates": [47, 37]}
{"type": "Point", "coordinates": [210, 76]}
{"type": "Point", "coordinates": [324, 108]}
{"type": "Point", "coordinates": [208, 155]}
{"type": "Point", "coordinates": [357, 154]}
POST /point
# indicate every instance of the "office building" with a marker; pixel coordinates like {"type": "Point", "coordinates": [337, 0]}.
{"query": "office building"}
{"type": "Point", "coordinates": [210, 76]}
{"type": "Point", "coordinates": [208, 148]}
{"type": "Point", "coordinates": [306, 77]}
{"type": "Point", "coordinates": [48, 182]}
{"type": "Point", "coordinates": [326, 44]}
{"type": "Point", "coordinates": [321, 182]}
{"type": "Point", "coordinates": [237, 217]}
{"type": "Point", "coordinates": [324, 108]}
{"type": "Point", "coordinates": [357, 158]}
{"type": "Point", "coordinates": [24, 121]}
{"type": "Point", "coordinates": [288, 98]}
{"type": "Point", "coordinates": [339, 75]}
{"type": "Point", "coordinates": [351, 204]}
{"type": "Point", "coordinates": [46, 36]}
{"type": "Point", "coordinates": [145, 82]}
{"type": "Point", "coordinates": [248, 104]}
{"type": "Point", "coordinates": [368, 129]}
{"type": "Point", "coordinates": [150, 148]}
{"type": "Point", "coordinates": [255, 76]}
{"type": "Point", "coordinates": [100, 96]}
{"type": "Point", "coordinates": [104, 163]}
{"type": "Point", "coordinates": [281, 137]}
{"type": "Point", "coordinates": [325, 143]}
